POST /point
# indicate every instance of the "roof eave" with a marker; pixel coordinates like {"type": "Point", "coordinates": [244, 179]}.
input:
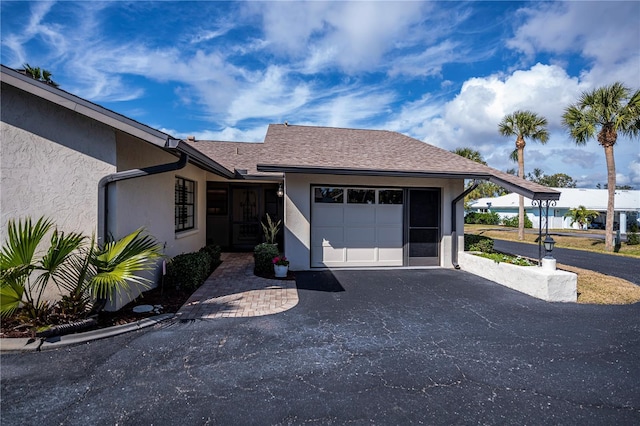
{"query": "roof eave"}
{"type": "Point", "coordinates": [367, 172]}
{"type": "Point", "coordinates": [550, 195]}
{"type": "Point", "coordinates": [83, 107]}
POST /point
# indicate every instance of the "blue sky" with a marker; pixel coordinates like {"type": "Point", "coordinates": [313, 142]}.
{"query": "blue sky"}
{"type": "Point", "coordinates": [442, 72]}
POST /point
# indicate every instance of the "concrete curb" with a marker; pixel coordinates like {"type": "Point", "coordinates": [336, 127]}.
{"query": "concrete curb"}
{"type": "Point", "coordinates": [37, 344]}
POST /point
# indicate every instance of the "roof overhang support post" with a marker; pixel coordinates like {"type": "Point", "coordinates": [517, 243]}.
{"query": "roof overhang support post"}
{"type": "Point", "coordinates": [454, 234]}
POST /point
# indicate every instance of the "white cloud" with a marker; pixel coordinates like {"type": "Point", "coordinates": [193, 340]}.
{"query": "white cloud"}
{"type": "Point", "coordinates": [605, 33]}
{"type": "Point", "coordinates": [350, 35]}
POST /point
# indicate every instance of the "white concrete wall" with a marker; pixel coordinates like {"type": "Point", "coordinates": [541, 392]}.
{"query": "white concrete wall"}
{"type": "Point", "coordinates": [552, 286]}
{"type": "Point", "coordinates": [51, 160]}
{"type": "Point", "coordinates": [297, 210]}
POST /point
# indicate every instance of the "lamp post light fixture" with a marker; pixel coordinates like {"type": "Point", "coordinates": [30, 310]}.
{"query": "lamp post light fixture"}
{"type": "Point", "coordinates": [548, 262]}
{"type": "Point", "coordinates": [280, 191]}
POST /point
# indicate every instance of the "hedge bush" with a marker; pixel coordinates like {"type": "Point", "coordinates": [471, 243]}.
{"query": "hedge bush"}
{"type": "Point", "coordinates": [214, 253]}
{"type": "Point", "coordinates": [633, 239]}
{"type": "Point", "coordinates": [512, 222]}
{"type": "Point", "coordinates": [491, 218]}
{"type": "Point", "coordinates": [188, 271]}
{"type": "Point", "coordinates": [263, 255]}
{"type": "Point", "coordinates": [478, 243]}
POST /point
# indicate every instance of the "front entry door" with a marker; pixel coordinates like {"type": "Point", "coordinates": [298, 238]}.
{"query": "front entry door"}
{"type": "Point", "coordinates": [246, 211]}
{"type": "Point", "coordinates": [423, 227]}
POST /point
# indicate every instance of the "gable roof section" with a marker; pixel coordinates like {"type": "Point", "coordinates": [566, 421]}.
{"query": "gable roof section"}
{"type": "Point", "coordinates": [304, 149]}
{"type": "Point", "coordinates": [110, 118]}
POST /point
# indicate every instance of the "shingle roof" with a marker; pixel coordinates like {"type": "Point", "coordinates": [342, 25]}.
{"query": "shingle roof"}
{"type": "Point", "coordinates": [289, 148]}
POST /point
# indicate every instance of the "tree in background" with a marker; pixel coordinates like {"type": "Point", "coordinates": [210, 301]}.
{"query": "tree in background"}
{"type": "Point", "coordinates": [484, 189]}
{"type": "Point", "coordinates": [558, 180]}
{"type": "Point", "coordinates": [39, 74]}
{"type": "Point", "coordinates": [524, 125]}
{"type": "Point", "coordinates": [582, 216]}
{"type": "Point", "coordinates": [601, 114]}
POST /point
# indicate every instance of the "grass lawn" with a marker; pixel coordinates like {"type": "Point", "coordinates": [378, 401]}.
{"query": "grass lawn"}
{"type": "Point", "coordinates": [593, 287]}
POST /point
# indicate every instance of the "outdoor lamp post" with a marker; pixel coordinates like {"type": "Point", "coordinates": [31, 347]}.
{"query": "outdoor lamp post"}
{"type": "Point", "coordinates": [548, 262]}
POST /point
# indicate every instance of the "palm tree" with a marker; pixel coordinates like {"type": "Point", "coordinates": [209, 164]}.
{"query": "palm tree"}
{"type": "Point", "coordinates": [582, 216]}
{"type": "Point", "coordinates": [523, 125]}
{"type": "Point", "coordinates": [19, 261]}
{"type": "Point", "coordinates": [601, 114]}
{"type": "Point", "coordinates": [39, 74]}
{"type": "Point", "coordinates": [471, 154]}
{"type": "Point", "coordinates": [85, 274]}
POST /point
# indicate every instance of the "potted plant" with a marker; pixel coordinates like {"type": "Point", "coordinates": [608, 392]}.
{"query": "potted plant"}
{"type": "Point", "coordinates": [280, 266]}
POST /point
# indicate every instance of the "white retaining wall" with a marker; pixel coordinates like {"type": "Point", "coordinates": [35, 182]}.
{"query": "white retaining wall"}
{"type": "Point", "coordinates": [552, 286]}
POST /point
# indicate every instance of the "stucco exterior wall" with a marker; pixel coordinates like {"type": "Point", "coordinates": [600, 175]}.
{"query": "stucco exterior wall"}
{"type": "Point", "coordinates": [297, 210]}
{"type": "Point", "coordinates": [51, 160]}
{"type": "Point", "coordinates": [149, 201]}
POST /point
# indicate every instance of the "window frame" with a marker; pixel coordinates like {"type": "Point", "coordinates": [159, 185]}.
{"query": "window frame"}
{"type": "Point", "coordinates": [184, 206]}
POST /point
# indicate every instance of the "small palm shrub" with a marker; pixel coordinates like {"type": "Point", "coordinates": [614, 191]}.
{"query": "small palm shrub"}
{"type": "Point", "coordinates": [490, 218]}
{"type": "Point", "coordinates": [633, 239]}
{"type": "Point", "coordinates": [478, 243]}
{"type": "Point", "coordinates": [512, 222]}
{"type": "Point", "coordinates": [263, 255]}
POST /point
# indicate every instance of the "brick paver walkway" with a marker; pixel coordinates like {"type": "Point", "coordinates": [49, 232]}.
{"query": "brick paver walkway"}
{"type": "Point", "coordinates": [233, 290]}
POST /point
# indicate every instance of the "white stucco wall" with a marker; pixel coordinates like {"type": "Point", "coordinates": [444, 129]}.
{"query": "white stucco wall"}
{"type": "Point", "coordinates": [51, 160]}
{"type": "Point", "coordinates": [297, 210]}
{"type": "Point", "coordinates": [149, 201]}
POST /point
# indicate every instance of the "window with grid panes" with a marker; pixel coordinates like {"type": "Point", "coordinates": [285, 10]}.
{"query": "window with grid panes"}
{"type": "Point", "coordinates": [185, 204]}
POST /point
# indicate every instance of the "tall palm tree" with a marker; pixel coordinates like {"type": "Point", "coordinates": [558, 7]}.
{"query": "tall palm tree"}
{"type": "Point", "coordinates": [601, 114]}
{"type": "Point", "coordinates": [523, 125]}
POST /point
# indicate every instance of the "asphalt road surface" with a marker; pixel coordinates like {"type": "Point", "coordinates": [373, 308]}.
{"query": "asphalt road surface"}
{"type": "Point", "coordinates": [624, 267]}
{"type": "Point", "coordinates": [435, 346]}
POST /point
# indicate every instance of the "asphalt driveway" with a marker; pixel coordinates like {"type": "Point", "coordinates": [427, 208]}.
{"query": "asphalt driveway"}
{"type": "Point", "coordinates": [386, 347]}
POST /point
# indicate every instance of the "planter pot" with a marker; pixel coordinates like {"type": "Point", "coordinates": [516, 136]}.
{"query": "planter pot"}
{"type": "Point", "coordinates": [280, 271]}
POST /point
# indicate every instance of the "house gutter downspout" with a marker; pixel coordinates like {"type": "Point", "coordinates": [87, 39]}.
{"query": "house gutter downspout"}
{"type": "Point", "coordinates": [103, 187]}
{"type": "Point", "coordinates": [454, 235]}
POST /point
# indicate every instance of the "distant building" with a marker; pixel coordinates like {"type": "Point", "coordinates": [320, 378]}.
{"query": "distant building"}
{"type": "Point", "coordinates": [627, 207]}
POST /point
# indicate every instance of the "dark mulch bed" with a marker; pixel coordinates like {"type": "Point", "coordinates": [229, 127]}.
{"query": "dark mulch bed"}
{"type": "Point", "coordinates": [170, 301]}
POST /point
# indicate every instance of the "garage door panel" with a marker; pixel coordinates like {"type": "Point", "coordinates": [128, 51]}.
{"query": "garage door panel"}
{"type": "Point", "coordinates": [389, 235]}
{"type": "Point", "coordinates": [326, 235]}
{"type": "Point", "coordinates": [361, 255]}
{"type": "Point", "coordinates": [357, 235]}
{"type": "Point", "coordinates": [328, 215]}
{"type": "Point", "coordinates": [360, 235]}
{"type": "Point", "coordinates": [389, 215]}
{"type": "Point", "coordinates": [391, 255]}
{"type": "Point", "coordinates": [361, 214]}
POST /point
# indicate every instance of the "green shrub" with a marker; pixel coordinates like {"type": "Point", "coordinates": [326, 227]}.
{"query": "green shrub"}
{"type": "Point", "coordinates": [491, 218]}
{"type": "Point", "coordinates": [478, 243]}
{"type": "Point", "coordinates": [214, 253]}
{"type": "Point", "coordinates": [512, 222]}
{"type": "Point", "coordinates": [189, 270]}
{"type": "Point", "coordinates": [633, 239]}
{"type": "Point", "coordinates": [633, 227]}
{"type": "Point", "coordinates": [263, 255]}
